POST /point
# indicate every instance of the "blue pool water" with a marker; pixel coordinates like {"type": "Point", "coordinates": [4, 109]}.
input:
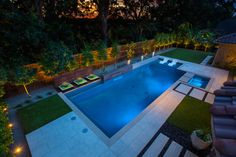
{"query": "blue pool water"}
{"type": "Point", "coordinates": [115, 103]}
{"type": "Point", "coordinates": [199, 81]}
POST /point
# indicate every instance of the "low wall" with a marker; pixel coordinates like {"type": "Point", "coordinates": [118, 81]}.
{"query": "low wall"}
{"type": "Point", "coordinates": [70, 76]}
{"type": "Point", "coordinates": [117, 72]}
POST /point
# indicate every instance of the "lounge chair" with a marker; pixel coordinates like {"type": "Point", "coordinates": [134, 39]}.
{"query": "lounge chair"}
{"type": "Point", "coordinates": [224, 101]}
{"type": "Point", "coordinates": [230, 83]}
{"type": "Point", "coordinates": [65, 86]}
{"type": "Point", "coordinates": [80, 81]}
{"type": "Point", "coordinates": [228, 87]}
{"type": "Point", "coordinates": [225, 131]}
{"type": "Point", "coordinates": [223, 110]}
{"type": "Point", "coordinates": [163, 61]}
{"type": "Point", "coordinates": [92, 77]}
{"type": "Point", "coordinates": [172, 63]}
{"type": "Point", "coordinates": [225, 92]}
{"type": "Point", "coordinates": [226, 147]}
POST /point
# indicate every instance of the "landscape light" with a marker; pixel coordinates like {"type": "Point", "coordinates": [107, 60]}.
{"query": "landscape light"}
{"type": "Point", "coordinates": [10, 125]}
{"type": "Point", "coordinates": [5, 109]}
{"type": "Point", "coordinates": [18, 150]}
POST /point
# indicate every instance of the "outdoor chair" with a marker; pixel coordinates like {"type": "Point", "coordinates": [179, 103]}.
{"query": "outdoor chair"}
{"type": "Point", "coordinates": [226, 147]}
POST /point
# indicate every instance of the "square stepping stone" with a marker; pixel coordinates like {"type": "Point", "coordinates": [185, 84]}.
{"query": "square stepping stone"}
{"type": "Point", "coordinates": [189, 154]}
{"type": "Point", "coordinates": [173, 150]}
{"type": "Point", "coordinates": [210, 98]}
{"type": "Point", "coordinates": [157, 146]}
{"type": "Point", "coordinates": [183, 88]}
{"type": "Point", "coordinates": [184, 79]}
{"type": "Point", "coordinates": [198, 94]}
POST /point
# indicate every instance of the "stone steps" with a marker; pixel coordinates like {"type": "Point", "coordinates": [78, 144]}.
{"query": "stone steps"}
{"type": "Point", "coordinates": [162, 146]}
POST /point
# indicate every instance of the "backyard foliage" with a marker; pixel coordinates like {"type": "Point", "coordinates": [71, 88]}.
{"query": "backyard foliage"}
{"type": "Point", "coordinates": [6, 138]}
{"type": "Point", "coordinates": [190, 115]}
{"type": "Point", "coordinates": [87, 56]}
{"type": "Point", "coordinates": [56, 58]}
{"type": "Point", "coordinates": [24, 76]}
{"type": "Point", "coordinates": [42, 112]}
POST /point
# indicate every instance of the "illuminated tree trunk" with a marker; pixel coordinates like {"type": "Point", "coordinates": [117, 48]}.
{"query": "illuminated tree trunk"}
{"type": "Point", "coordinates": [26, 90]}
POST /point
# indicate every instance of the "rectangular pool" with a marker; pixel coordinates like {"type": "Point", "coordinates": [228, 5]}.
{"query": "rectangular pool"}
{"type": "Point", "coordinates": [115, 103]}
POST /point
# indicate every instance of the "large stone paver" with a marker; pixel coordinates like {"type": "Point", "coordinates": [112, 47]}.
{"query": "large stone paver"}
{"type": "Point", "coordinates": [65, 137]}
{"type": "Point", "coordinates": [183, 88]}
{"type": "Point", "coordinates": [173, 150]}
{"type": "Point", "coordinates": [197, 93]}
{"type": "Point", "coordinates": [157, 146]}
{"type": "Point", "coordinates": [210, 98]}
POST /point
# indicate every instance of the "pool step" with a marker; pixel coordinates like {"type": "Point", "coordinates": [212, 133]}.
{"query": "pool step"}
{"type": "Point", "coordinates": [157, 146]}
{"type": "Point", "coordinates": [163, 146]}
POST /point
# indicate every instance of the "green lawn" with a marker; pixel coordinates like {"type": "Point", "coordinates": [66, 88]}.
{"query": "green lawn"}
{"type": "Point", "coordinates": [187, 55]}
{"type": "Point", "coordinates": [191, 114]}
{"type": "Point", "coordinates": [36, 115]}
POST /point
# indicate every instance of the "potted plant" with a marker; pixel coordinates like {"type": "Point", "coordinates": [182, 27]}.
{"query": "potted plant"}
{"type": "Point", "coordinates": [200, 140]}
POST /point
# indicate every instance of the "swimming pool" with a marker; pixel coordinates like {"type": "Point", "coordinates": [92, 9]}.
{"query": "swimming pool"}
{"type": "Point", "coordinates": [115, 103]}
{"type": "Point", "coordinates": [199, 81]}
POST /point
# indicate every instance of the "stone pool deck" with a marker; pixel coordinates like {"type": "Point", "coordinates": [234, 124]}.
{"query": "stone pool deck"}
{"type": "Point", "coordinates": [70, 136]}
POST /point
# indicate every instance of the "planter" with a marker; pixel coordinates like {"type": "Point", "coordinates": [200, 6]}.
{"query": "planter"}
{"type": "Point", "coordinates": [198, 143]}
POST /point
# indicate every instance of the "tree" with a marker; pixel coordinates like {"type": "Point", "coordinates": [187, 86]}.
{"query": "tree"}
{"type": "Point", "coordinates": [87, 56]}
{"type": "Point", "coordinates": [24, 76]}
{"type": "Point", "coordinates": [103, 8]}
{"type": "Point", "coordinates": [115, 51]}
{"type": "Point", "coordinates": [6, 137]}
{"type": "Point", "coordinates": [102, 54]}
{"type": "Point", "coordinates": [207, 39]}
{"type": "Point", "coordinates": [3, 80]}
{"type": "Point", "coordinates": [56, 58]}
{"type": "Point", "coordinates": [130, 51]}
{"type": "Point", "coordinates": [139, 12]}
{"type": "Point", "coordinates": [146, 47]}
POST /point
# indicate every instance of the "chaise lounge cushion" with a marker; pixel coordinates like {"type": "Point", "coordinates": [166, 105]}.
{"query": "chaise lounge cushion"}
{"type": "Point", "coordinates": [224, 120]}
{"type": "Point", "coordinates": [218, 110]}
{"type": "Point", "coordinates": [226, 146]}
{"type": "Point", "coordinates": [230, 83]}
{"type": "Point", "coordinates": [231, 110]}
{"type": "Point", "coordinates": [223, 110]}
{"type": "Point", "coordinates": [225, 92]}
{"type": "Point", "coordinates": [225, 131]}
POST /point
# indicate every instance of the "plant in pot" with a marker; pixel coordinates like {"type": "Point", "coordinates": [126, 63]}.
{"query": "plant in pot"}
{"type": "Point", "coordinates": [200, 140]}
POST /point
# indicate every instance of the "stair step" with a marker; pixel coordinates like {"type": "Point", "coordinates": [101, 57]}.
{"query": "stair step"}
{"type": "Point", "coordinates": [157, 146]}
{"type": "Point", "coordinates": [173, 150]}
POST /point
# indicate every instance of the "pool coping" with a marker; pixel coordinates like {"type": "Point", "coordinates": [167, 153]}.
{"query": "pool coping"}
{"type": "Point", "coordinates": [110, 141]}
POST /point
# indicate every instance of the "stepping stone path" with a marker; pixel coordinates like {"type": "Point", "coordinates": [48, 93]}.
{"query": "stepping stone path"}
{"type": "Point", "coordinates": [163, 145]}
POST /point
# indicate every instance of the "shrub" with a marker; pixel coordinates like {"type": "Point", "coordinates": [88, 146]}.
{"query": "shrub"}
{"type": "Point", "coordinates": [6, 138]}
